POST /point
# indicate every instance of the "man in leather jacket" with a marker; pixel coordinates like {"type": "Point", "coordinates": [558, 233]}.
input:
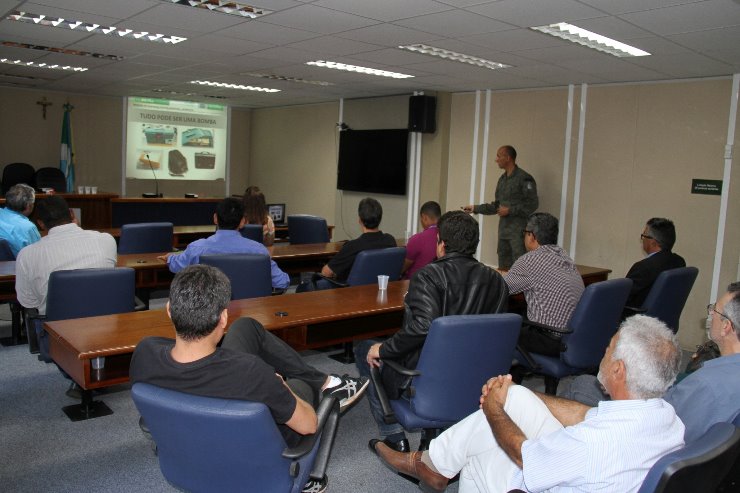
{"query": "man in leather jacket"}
{"type": "Point", "coordinates": [454, 284]}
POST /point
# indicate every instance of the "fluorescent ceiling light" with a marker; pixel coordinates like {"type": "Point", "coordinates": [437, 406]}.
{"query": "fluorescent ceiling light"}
{"type": "Point", "coordinates": [191, 94]}
{"type": "Point", "coordinates": [64, 51]}
{"type": "Point", "coordinates": [224, 85]}
{"type": "Point", "coordinates": [52, 66]}
{"type": "Point", "coordinates": [44, 20]}
{"type": "Point", "coordinates": [589, 39]}
{"type": "Point", "coordinates": [224, 7]}
{"type": "Point", "coordinates": [290, 79]}
{"type": "Point", "coordinates": [454, 56]}
{"type": "Point", "coordinates": [358, 69]}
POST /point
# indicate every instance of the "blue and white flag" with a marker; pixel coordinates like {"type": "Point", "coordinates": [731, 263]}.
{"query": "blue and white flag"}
{"type": "Point", "coordinates": [66, 161]}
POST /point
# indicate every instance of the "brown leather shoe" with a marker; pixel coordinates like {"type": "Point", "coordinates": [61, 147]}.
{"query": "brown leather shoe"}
{"type": "Point", "coordinates": [410, 463]}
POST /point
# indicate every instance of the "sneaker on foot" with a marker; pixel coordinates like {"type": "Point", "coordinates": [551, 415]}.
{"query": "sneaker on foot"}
{"type": "Point", "coordinates": [348, 391]}
{"type": "Point", "coordinates": [316, 485]}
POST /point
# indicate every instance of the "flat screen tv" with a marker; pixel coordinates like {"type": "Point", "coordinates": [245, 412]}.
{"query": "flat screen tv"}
{"type": "Point", "coordinates": [373, 161]}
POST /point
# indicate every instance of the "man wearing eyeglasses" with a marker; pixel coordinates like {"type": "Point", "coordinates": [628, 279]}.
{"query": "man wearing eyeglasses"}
{"type": "Point", "coordinates": [657, 240]}
{"type": "Point", "coordinates": [709, 395]}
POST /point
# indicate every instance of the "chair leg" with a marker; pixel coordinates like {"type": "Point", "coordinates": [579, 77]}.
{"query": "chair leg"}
{"type": "Point", "coordinates": [347, 356]}
{"type": "Point", "coordinates": [551, 385]}
{"type": "Point", "coordinates": [427, 435]}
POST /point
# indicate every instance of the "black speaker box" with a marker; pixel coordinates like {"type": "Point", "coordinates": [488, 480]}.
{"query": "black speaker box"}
{"type": "Point", "coordinates": [423, 114]}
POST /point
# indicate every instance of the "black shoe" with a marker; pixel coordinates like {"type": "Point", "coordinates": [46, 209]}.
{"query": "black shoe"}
{"type": "Point", "coordinates": [74, 391]}
{"type": "Point", "coordinates": [399, 446]}
{"type": "Point", "coordinates": [349, 391]}
{"type": "Point", "coordinates": [316, 485]}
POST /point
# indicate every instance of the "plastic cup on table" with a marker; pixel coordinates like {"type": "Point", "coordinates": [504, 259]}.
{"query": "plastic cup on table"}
{"type": "Point", "coordinates": [382, 282]}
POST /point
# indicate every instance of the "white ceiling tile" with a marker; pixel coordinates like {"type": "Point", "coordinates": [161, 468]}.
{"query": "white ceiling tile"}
{"type": "Point", "coordinates": [685, 65]}
{"type": "Point", "coordinates": [332, 45]}
{"type": "Point", "coordinates": [118, 10]}
{"type": "Point", "coordinates": [622, 6]}
{"type": "Point", "coordinates": [267, 33]}
{"type": "Point", "coordinates": [614, 70]}
{"type": "Point", "coordinates": [389, 35]}
{"type": "Point", "coordinates": [569, 51]}
{"type": "Point", "coordinates": [454, 23]}
{"type": "Point", "coordinates": [182, 17]}
{"type": "Point", "coordinates": [687, 18]}
{"type": "Point", "coordinates": [612, 27]}
{"type": "Point", "coordinates": [391, 56]}
{"type": "Point", "coordinates": [513, 40]}
{"type": "Point", "coordinates": [528, 13]}
{"type": "Point", "coordinates": [319, 19]}
{"type": "Point", "coordinates": [709, 39]}
{"type": "Point", "coordinates": [385, 10]}
{"type": "Point", "coordinates": [223, 44]}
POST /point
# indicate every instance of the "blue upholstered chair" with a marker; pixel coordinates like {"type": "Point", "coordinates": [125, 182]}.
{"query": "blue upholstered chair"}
{"type": "Point", "coordinates": [249, 273]}
{"type": "Point", "coordinates": [591, 327]}
{"type": "Point", "coordinates": [252, 232]}
{"type": "Point", "coordinates": [5, 252]}
{"type": "Point", "coordinates": [668, 295]}
{"type": "Point", "coordinates": [15, 173]}
{"type": "Point", "coordinates": [145, 238]}
{"type": "Point", "coordinates": [50, 177]}
{"type": "Point", "coordinates": [700, 466]}
{"type": "Point", "coordinates": [206, 444]}
{"type": "Point", "coordinates": [472, 348]}
{"type": "Point", "coordinates": [303, 228]}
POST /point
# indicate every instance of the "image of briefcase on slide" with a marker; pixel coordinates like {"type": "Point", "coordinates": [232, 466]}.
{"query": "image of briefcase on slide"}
{"type": "Point", "coordinates": [205, 160]}
{"type": "Point", "coordinates": [177, 163]}
{"type": "Point", "coordinates": [197, 137]}
{"type": "Point", "coordinates": [149, 159]}
{"type": "Point", "coordinates": [159, 134]}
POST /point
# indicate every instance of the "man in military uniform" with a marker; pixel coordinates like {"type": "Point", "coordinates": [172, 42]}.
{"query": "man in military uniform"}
{"type": "Point", "coordinates": [516, 199]}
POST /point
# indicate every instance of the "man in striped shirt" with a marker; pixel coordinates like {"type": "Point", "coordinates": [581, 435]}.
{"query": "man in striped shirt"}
{"type": "Point", "coordinates": [550, 281]}
{"type": "Point", "coordinates": [535, 442]}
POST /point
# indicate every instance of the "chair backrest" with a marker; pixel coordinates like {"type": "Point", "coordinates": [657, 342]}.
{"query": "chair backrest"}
{"type": "Point", "coordinates": [369, 264]}
{"type": "Point", "coordinates": [5, 251]}
{"type": "Point", "coordinates": [15, 173]}
{"type": "Point", "coordinates": [209, 444]}
{"type": "Point", "coordinates": [669, 293]}
{"type": "Point", "coordinates": [90, 292]}
{"type": "Point", "coordinates": [459, 354]}
{"type": "Point", "coordinates": [145, 238]}
{"type": "Point", "coordinates": [50, 177]}
{"type": "Point", "coordinates": [700, 466]}
{"type": "Point", "coordinates": [249, 274]}
{"type": "Point", "coordinates": [594, 322]}
{"type": "Point", "coordinates": [303, 228]}
{"type": "Point", "coordinates": [252, 232]}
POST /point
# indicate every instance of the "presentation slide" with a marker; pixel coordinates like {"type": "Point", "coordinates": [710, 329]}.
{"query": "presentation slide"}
{"type": "Point", "coordinates": [176, 140]}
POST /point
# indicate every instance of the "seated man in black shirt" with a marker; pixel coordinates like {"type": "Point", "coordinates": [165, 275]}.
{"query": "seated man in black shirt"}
{"type": "Point", "coordinates": [371, 213]}
{"type": "Point", "coordinates": [245, 365]}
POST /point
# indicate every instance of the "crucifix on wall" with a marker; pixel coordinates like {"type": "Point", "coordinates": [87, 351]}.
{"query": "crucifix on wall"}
{"type": "Point", "coordinates": [44, 103]}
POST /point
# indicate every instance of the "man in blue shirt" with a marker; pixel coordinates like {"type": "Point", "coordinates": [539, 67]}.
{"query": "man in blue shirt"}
{"type": "Point", "coordinates": [229, 218]}
{"type": "Point", "coordinates": [15, 227]}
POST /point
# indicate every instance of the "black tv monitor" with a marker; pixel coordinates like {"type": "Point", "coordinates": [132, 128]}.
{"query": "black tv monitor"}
{"type": "Point", "coordinates": [373, 161]}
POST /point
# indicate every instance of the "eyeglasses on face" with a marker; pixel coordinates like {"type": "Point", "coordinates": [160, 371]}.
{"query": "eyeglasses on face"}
{"type": "Point", "coordinates": [646, 237]}
{"type": "Point", "coordinates": [527, 231]}
{"type": "Point", "coordinates": [712, 308]}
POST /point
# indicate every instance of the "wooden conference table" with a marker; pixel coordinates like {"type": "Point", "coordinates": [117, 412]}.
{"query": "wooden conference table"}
{"type": "Point", "coordinates": [314, 319]}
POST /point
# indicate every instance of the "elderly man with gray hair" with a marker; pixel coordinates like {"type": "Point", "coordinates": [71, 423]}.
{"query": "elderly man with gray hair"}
{"type": "Point", "coordinates": [15, 227]}
{"type": "Point", "coordinates": [535, 442]}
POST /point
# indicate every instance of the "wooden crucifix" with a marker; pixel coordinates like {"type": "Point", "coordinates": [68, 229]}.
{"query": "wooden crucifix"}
{"type": "Point", "coordinates": [44, 103]}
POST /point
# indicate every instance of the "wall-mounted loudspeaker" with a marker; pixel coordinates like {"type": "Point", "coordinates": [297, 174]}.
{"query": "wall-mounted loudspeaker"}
{"type": "Point", "coordinates": [423, 114]}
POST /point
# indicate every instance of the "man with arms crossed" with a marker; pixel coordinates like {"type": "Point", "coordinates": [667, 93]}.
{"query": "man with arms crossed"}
{"type": "Point", "coordinates": [534, 442]}
{"type": "Point", "coordinates": [244, 366]}
{"type": "Point", "coordinates": [516, 198]}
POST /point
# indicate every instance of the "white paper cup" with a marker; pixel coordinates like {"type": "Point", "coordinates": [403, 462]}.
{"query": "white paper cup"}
{"type": "Point", "coordinates": [94, 189]}
{"type": "Point", "coordinates": [88, 190]}
{"type": "Point", "coordinates": [80, 190]}
{"type": "Point", "coordinates": [382, 282]}
{"type": "Point", "coordinates": [98, 363]}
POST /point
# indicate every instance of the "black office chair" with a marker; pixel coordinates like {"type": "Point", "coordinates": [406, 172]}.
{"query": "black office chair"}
{"type": "Point", "coordinates": [145, 238]}
{"type": "Point", "coordinates": [303, 228]}
{"type": "Point", "coordinates": [82, 293]}
{"type": "Point", "coordinates": [15, 173]}
{"type": "Point", "coordinates": [249, 274]}
{"type": "Point", "coordinates": [5, 252]}
{"type": "Point", "coordinates": [667, 296]}
{"type": "Point", "coordinates": [591, 327]}
{"type": "Point", "coordinates": [252, 232]}
{"type": "Point", "coordinates": [50, 177]}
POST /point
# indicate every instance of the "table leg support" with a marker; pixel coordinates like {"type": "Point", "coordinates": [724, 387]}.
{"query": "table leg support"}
{"type": "Point", "coordinates": [87, 409]}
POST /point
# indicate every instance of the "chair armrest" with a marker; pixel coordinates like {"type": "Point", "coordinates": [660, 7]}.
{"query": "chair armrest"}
{"type": "Point", "coordinates": [278, 291]}
{"type": "Point", "coordinates": [319, 277]}
{"type": "Point", "coordinates": [633, 310]}
{"type": "Point", "coordinates": [307, 442]}
{"type": "Point", "coordinates": [401, 369]}
{"type": "Point", "coordinates": [388, 415]}
{"type": "Point", "coordinates": [547, 328]}
{"type": "Point", "coordinates": [139, 306]}
{"type": "Point", "coordinates": [33, 314]}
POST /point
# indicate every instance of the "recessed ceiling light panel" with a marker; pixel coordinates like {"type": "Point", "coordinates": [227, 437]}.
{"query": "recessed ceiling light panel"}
{"type": "Point", "coordinates": [224, 7]}
{"type": "Point", "coordinates": [358, 69]}
{"type": "Point", "coordinates": [290, 79]}
{"type": "Point", "coordinates": [454, 56]}
{"type": "Point", "coordinates": [50, 66]}
{"type": "Point", "coordinates": [225, 85]}
{"type": "Point", "coordinates": [589, 39]}
{"type": "Point", "coordinates": [44, 20]}
{"type": "Point", "coordinates": [64, 51]}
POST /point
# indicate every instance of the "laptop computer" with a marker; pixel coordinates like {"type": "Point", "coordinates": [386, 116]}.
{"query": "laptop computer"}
{"type": "Point", "coordinates": [277, 212]}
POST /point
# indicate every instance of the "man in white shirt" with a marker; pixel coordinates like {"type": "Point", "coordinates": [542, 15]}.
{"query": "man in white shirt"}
{"type": "Point", "coordinates": [534, 442]}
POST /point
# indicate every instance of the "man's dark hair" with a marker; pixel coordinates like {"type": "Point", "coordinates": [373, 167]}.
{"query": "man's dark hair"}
{"type": "Point", "coordinates": [53, 211]}
{"type": "Point", "coordinates": [459, 232]}
{"type": "Point", "coordinates": [229, 213]}
{"type": "Point", "coordinates": [198, 295]}
{"type": "Point", "coordinates": [370, 212]}
{"type": "Point", "coordinates": [19, 197]}
{"type": "Point", "coordinates": [431, 209]}
{"type": "Point", "coordinates": [663, 232]}
{"type": "Point", "coordinates": [510, 151]}
{"type": "Point", "coordinates": [544, 227]}
{"type": "Point", "coordinates": [732, 307]}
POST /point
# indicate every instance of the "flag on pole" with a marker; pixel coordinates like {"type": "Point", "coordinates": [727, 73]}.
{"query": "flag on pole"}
{"type": "Point", "coordinates": [66, 161]}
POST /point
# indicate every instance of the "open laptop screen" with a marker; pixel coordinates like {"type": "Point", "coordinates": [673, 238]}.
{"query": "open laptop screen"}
{"type": "Point", "coordinates": [277, 212]}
